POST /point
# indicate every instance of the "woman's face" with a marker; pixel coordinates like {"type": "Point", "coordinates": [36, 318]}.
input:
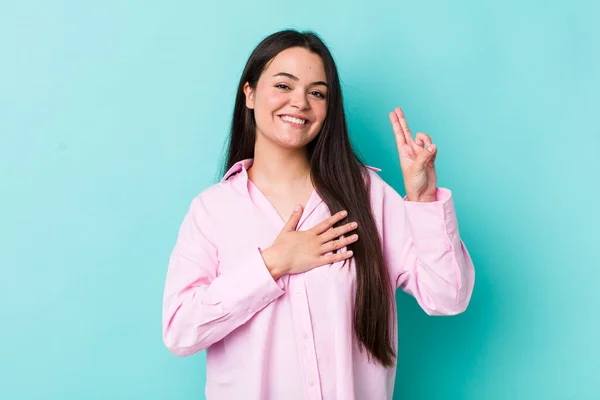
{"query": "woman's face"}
{"type": "Point", "coordinates": [289, 100]}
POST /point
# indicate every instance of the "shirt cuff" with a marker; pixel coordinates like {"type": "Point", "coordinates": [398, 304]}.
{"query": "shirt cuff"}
{"type": "Point", "coordinates": [434, 225]}
{"type": "Point", "coordinates": [251, 285]}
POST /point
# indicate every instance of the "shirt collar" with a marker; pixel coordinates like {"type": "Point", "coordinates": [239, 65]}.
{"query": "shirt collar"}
{"type": "Point", "coordinates": [243, 186]}
{"type": "Point", "coordinates": [242, 165]}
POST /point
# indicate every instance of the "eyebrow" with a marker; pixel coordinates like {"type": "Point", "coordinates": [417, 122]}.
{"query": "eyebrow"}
{"type": "Point", "coordinates": [286, 74]}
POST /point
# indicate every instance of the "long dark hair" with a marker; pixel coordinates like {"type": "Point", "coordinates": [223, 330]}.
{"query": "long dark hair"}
{"type": "Point", "coordinates": [334, 166]}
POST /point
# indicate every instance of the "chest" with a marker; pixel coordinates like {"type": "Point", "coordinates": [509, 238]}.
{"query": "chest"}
{"type": "Point", "coordinates": [257, 228]}
{"type": "Point", "coordinates": [281, 203]}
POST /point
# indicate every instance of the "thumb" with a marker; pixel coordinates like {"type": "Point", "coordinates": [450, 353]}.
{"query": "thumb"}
{"type": "Point", "coordinates": [292, 222]}
{"type": "Point", "coordinates": [426, 155]}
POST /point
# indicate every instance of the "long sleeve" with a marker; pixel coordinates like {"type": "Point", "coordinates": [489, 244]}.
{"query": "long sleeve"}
{"type": "Point", "coordinates": [200, 305]}
{"type": "Point", "coordinates": [425, 252]}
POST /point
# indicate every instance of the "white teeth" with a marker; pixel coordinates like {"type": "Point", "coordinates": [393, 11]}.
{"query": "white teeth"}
{"type": "Point", "coordinates": [292, 119]}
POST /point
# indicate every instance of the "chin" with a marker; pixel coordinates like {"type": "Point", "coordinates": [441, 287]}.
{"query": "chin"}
{"type": "Point", "coordinates": [292, 145]}
{"type": "Point", "coordinates": [291, 141]}
{"type": "Point", "coordinates": [287, 140]}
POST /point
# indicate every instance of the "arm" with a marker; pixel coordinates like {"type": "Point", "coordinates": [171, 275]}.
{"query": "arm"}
{"type": "Point", "coordinates": [200, 306]}
{"type": "Point", "coordinates": [425, 252]}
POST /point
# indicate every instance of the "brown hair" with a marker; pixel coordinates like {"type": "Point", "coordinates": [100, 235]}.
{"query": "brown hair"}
{"type": "Point", "coordinates": [338, 175]}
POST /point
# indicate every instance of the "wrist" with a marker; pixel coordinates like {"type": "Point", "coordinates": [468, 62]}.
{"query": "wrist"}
{"type": "Point", "coordinates": [273, 265]}
{"type": "Point", "coordinates": [421, 199]}
{"type": "Point", "coordinates": [426, 200]}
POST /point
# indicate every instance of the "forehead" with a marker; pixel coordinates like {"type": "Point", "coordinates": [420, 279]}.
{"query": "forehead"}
{"type": "Point", "coordinates": [298, 61]}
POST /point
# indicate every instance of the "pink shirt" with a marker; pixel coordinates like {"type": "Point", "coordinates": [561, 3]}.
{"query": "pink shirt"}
{"type": "Point", "coordinates": [293, 338]}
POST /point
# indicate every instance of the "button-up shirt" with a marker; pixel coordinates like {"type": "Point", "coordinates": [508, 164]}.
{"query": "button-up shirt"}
{"type": "Point", "coordinates": [293, 338]}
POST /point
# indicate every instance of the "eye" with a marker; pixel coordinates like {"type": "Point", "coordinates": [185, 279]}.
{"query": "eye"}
{"type": "Point", "coordinates": [316, 93]}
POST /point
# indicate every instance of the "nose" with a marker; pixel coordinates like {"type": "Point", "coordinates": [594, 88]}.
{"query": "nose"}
{"type": "Point", "coordinates": [299, 100]}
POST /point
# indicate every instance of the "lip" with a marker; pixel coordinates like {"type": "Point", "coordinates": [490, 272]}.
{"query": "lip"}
{"type": "Point", "coordinates": [293, 125]}
{"type": "Point", "coordinates": [296, 116]}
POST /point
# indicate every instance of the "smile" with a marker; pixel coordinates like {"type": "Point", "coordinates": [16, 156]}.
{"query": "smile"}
{"type": "Point", "coordinates": [292, 120]}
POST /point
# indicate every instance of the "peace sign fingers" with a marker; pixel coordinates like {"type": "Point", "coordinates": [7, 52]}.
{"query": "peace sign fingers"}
{"type": "Point", "coordinates": [417, 158]}
{"type": "Point", "coordinates": [404, 125]}
{"type": "Point", "coordinates": [398, 131]}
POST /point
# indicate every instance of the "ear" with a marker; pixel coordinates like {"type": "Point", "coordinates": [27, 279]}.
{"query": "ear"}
{"type": "Point", "coordinates": [249, 92]}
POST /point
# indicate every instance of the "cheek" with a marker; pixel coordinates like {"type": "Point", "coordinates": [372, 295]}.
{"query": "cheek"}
{"type": "Point", "coordinates": [272, 102]}
{"type": "Point", "coordinates": [321, 112]}
{"type": "Point", "coordinates": [266, 108]}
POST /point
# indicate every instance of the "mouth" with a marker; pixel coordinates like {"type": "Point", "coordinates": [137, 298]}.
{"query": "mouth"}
{"type": "Point", "coordinates": [295, 122]}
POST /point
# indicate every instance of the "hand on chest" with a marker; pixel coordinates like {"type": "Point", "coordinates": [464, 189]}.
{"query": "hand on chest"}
{"type": "Point", "coordinates": [258, 225]}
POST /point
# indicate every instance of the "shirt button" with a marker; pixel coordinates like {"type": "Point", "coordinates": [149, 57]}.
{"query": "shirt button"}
{"type": "Point", "coordinates": [297, 291]}
{"type": "Point", "coordinates": [266, 299]}
{"type": "Point", "coordinates": [311, 383]}
{"type": "Point", "coordinates": [249, 311]}
{"type": "Point", "coordinates": [305, 335]}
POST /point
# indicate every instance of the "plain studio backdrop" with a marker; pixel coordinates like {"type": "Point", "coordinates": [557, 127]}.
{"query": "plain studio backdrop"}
{"type": "Point", "coordinates": [113, 117]}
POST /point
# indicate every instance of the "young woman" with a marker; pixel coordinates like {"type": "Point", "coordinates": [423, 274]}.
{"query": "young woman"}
{"type": "Point", "coordinates": [285, 270]}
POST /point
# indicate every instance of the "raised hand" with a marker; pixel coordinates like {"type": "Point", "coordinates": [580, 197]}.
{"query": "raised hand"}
{"type": "Point", "coordinates": [417, 159]}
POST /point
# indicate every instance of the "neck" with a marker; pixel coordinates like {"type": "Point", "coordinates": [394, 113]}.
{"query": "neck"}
{"type": "Point", "coordinates": [280, 167]}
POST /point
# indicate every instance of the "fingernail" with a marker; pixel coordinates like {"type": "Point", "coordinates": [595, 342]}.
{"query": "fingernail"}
{"type": "Point", "coordinates": [297, 208]}
{"type": "Point", "coordinates": [344, 213]}
{"type": "Point", "coordinates": [430, 149]}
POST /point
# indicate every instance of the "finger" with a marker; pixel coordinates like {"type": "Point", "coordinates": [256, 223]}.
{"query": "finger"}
{"type": "Point", "coordinates": [336, 257]}
{"type": "Point", "coordinates": [397, 127]}
{"type": "Point", "coordinates": [338, 244]}
{"type": "Point", "coordinates": [423, 140]}
{"type": "Point", "coordinates": [432, 159]}
{"type": "Point", "coordinates": [426, 156]}
{"type": "Point", "coordinates": [329, 222]}
{"type": "Point", "coordinates": [292, 222]}
{"type": "Point", "coordinates": [337, 232]}
{"type": "Point", "coordinates": [404, 124]}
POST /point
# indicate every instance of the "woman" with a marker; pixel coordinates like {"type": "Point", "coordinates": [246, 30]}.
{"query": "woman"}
{"type": "Point", "coordinates": [285, 270]}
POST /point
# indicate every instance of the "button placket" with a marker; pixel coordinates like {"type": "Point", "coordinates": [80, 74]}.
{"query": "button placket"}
{"type": "Point", "coordinates": [306, 345]}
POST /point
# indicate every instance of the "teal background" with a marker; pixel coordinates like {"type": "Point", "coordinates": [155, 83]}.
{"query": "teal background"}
{"type": "Point", "coordinates": [113, 115]}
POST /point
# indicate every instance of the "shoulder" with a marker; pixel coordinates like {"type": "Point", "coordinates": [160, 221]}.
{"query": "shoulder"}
{"type": "Point", "coordinates": [380, 191]}
{"type": "Point", "coordinates": [212, 200]}
{"type": "Point", "coordinates": [371, 168]}
{"type": "Point", "coordinates": [375, 179]}
{"type": "Point", "coordinates": [209, 211]}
